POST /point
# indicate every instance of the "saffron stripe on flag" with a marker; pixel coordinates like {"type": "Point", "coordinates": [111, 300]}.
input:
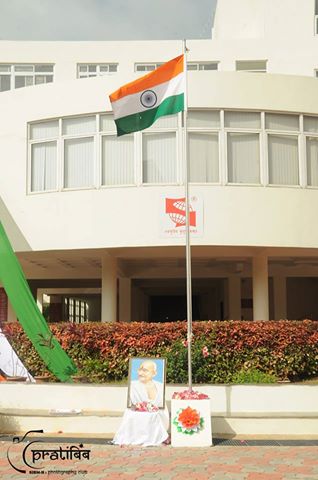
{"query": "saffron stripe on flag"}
{"type": "Point", "coordinates": [162, 74]}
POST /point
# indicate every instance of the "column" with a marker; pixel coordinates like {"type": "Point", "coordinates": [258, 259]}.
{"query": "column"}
{"type": "Point", "coordinates": [124, 299]}
{"type": "Point", "coordinates": [280, 297]}
{"type": "Point", "coordinates": [260, 288]}
{"type": "Point", "coordinates": [39, 299]}
{"type": "Point", "coordinates": [234, 292]}
{"type": "Point", "coordinates": [109, 289]}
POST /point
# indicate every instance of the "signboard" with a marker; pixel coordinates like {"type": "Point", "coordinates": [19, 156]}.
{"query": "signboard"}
{"type": "Point", "coordinates": [173, 217]}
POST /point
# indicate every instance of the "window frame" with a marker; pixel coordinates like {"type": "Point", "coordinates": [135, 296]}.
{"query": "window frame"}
{"type": "Point", "coordinates": [207, 130]}
{"type": "Point", "coordinates": [279, 133]}
{"type": "Point", "coordinates": [146, 64]}
{"type": "Point", "coordinates": [251, 70]}
{"type": "Point", "coordinates": [98, 73]}
{"type": "Point", "coordinates": [218, 129]}
{"type": "Point", "coordinates": [158, 131]}
{"type": "Point", "coordinates": [13, 73]}
{"type": "Point", "coordinates": [203, 63]}
{"type": "Point", "coordinates": [242, 130]}
{"type": "Point", "coordinates": [29, 162]}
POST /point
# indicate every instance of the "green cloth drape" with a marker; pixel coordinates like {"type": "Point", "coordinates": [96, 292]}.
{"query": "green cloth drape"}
{"type": "Point", "coordinates": [28, 314]}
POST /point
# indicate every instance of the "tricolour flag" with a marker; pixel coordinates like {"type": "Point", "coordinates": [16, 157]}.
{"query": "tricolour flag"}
{"type": "Point", "coordinates": [138, 104]}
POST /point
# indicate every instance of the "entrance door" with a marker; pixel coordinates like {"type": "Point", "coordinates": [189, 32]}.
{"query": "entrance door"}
{"type": "Point", "coordinates": [169, 308]}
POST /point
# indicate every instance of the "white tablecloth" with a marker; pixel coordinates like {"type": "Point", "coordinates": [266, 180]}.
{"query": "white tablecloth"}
{"type": "Point", "coordinates": [142, 428]}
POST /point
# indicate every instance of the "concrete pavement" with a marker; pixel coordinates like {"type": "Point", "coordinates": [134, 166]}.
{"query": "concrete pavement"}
{"type": "Point", "coordinates": [163, 463]}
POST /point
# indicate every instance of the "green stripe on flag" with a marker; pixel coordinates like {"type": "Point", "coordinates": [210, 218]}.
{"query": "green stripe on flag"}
{"type": "Point", "coordinates": [30, 317]}
{"type": "Point", "coordinates": [141, 120]}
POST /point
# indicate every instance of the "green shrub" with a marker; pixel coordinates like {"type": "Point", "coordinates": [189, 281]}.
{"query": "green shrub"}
{"type": "Point", "coordinates": [253, 376]}
{"type": "Point", "coordinates": [280, 349]}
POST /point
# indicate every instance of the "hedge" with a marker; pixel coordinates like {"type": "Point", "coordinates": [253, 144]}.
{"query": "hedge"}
{"type": "Point", "coordinates": [283, 349]}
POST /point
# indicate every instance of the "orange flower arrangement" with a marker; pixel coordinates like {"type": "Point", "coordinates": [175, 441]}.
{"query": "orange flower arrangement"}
{"type": "Point", "coordinates": [188, 421]}
{"type": "Point", "coordinates": [189, 418]}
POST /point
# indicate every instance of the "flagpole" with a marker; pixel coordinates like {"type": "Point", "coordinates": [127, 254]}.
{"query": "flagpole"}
{"type": "Point", "coordinates": [187, 207]}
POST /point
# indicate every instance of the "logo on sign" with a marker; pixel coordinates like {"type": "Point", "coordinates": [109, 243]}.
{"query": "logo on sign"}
{"type": "Point", "coordinates": [176, 209]}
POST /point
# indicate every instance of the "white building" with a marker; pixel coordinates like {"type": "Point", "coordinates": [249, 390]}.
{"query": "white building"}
{"type": "Point", "coordinates": [85, 211]}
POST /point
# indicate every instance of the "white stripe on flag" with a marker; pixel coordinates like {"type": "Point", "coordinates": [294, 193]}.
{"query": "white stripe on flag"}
{"type": "Point", "coordinates": [131, 104]}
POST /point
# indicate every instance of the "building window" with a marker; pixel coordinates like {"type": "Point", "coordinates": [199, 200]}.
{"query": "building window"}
{"type": "Point", "coordinates": [316, 72]}
{"type": "Point", "coordinates": [202, 66]}
{"type": "Point", "coordinates": [146, 67]}
{"type": "Point", "coordinates": [277, 121]}
{"type": "Point", "coordinates": [283, 154]}
{"type": "Point", "coordinates": [312, 161]}
{"type": "Point", "coordinates": [79, 162]}
{"type": "Point", "coordinates": [283, 165]}
{"type": "Point", "coordinates": [44, 137]}
{"type": "Point", "coordinates": [311, 135]}
{"type": "Point", "coordinates": [76, 310]}
{"type": "Point", "coordinates": [159, 157]}
{"type": "Point", "coordinates": [79, 151]}
{"type": "Point", "coordinates": [251, 65]}
{"type": "Point", "coordinates": [5, 77]}
{"type": "Point", "coordinates": [316, 17]}
{"type": "Point", "coordinates": [43, 166]}
{"type": "Point", "coordinates": [204, 119]}
{"type": "Point", "coordinates": [203, 134]}
{"type": "Point", "coordinates": [18, 75]}
{"type": "Point", "coordinates": [204, 157]}
{"type": "Point", "coordinates": [243, 154]}
{"type": "Point", "coordinates": [224, 147]}
{"type": "Point", "coordinates": [95, 69]}
{"type": "Point", "coordinates": [243, 149]}
{"type": "Point", "coordinates": [117, 160]}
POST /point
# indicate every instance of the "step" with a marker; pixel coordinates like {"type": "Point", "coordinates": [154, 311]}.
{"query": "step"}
{"type": "Point", "coordinates": [107, 422]}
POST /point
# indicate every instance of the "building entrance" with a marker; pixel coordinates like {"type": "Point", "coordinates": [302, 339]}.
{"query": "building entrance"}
{"type": "Point", "coordinates": [164, 300]}
{"type": "Point", "coordinates": [169, 308]}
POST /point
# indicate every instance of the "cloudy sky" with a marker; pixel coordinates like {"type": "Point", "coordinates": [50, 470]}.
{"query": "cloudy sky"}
{"type": "Point", "coordinates": [105, 19]}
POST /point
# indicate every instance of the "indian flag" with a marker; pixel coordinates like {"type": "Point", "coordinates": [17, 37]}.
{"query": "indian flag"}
{"type": "Point", "coordinates": [138, 104]}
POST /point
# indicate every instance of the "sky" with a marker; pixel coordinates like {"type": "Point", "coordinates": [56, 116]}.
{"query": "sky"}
{"type": "Point", "coordinates": [105, 19]}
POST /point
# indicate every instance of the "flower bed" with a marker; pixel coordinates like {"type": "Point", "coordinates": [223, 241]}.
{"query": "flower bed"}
{"type": "Point", "coordinates": [281, 349]}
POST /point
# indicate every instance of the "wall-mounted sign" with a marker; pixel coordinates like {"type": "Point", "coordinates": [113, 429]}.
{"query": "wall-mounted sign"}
{"type": "Point", "coordinates": [173, 217]}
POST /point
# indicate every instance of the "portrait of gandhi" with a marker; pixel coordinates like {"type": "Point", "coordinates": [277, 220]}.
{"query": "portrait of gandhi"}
{"type": "Point", "coordinates": [143, 386]}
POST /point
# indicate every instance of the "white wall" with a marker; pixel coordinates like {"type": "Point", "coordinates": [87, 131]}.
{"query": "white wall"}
{"type": "Point", "coordinates": [281, 32]}
{"type": "Point", "coordinates": [116, 217]}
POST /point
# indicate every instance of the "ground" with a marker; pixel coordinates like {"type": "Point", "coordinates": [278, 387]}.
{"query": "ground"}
{"type": "Point", "coordinates": [167, 463]}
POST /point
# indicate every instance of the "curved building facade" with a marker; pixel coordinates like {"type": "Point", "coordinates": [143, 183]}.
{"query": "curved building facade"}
{"type": "Point", "coordinates": [96, 220]}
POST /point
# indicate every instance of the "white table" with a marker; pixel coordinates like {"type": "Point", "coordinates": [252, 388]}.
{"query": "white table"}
{"type": "Point", "coordinates": [143, 428]}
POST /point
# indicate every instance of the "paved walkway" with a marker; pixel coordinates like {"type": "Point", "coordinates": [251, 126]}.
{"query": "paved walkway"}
{"type": "Point", "coordinates": [166, 463]}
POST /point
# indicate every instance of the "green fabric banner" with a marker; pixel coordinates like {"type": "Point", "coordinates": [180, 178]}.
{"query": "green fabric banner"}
{"type": "Point", "coordinates": [28, 314]}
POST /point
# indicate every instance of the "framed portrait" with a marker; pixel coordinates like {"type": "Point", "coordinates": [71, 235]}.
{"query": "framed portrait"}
{"type": "Point", "coordinates": [147, 381]}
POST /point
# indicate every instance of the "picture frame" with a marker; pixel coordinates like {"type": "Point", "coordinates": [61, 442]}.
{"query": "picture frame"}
{"type": "Point", "coordinates": [147, 381]}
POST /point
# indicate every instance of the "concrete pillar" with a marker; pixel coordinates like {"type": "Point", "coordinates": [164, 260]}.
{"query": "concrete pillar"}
{"type": "Point", "coordinates": [280, 298]}
{"type": "Point", "coordinates": [39, 299]}
{"type": "Point", "coordinates": [109, 289]}
{"type": "Point", "coordinates": [124, 299]}
{"type": "Point", "coordinates": [260, 288]}
{"type": "Point", "coordinates": [234, 292]}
